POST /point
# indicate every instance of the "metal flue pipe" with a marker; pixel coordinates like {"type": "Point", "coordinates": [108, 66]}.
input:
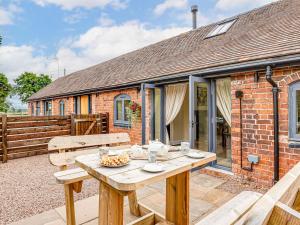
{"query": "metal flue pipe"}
{"type": "Point", "coordinates": [194, 10]}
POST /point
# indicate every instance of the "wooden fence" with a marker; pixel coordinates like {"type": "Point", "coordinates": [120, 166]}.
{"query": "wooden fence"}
{"type": "Point", "coordinates": [23, 136]}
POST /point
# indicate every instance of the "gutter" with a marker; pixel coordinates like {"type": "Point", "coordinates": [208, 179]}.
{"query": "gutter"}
{"type": "Point", "coordinates": [205, 73]}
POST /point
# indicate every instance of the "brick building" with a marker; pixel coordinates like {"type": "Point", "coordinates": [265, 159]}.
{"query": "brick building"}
{"type": "Point", "coordinates": [215, 86]}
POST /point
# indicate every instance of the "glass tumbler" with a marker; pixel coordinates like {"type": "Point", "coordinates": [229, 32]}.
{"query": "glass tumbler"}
{"type": "Point", "coordinates": [185, 147]}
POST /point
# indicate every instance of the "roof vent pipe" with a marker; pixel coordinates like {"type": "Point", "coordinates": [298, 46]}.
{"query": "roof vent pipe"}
{"type": "Point", "coordinates": [194, 10]}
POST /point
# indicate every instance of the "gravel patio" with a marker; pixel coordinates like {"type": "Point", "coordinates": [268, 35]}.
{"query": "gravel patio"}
{"type": "Point", "coordinates": [27, 188]}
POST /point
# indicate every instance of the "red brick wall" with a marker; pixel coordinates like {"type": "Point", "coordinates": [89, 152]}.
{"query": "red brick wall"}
{"type": "Point", "coordinates": [69, 105]}
{"type": "Point", "coordinates": [258, 128]}
{"type": "Point", "coordinates": [104, 102]}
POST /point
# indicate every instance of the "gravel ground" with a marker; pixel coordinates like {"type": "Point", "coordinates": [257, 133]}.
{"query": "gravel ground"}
{"type": "Point", "coordinates": [27, 187]}
{"type": "Point", "coordinates": [236, 185]}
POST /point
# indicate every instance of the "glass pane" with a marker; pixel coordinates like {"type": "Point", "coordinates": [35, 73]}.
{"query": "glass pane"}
{"type": "Point", "coordinates": [223, 139]}
{"type": "Point", "coordinates": [126, 105]}
{"type": "Point", "coordinates": [157, 114]}
{"type": "Point", "coordinates": [201, 116]}
{"type": "Point", "coordinates": [298, 111]}
{"type": "Point", "coordinates": [119, 110]}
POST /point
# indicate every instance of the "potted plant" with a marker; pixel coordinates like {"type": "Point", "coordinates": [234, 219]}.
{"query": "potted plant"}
{"type": "Point", "coordinates": [133, 112]}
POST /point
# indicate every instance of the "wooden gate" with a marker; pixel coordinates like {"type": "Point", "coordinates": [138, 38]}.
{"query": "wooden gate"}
{"type": "Point", "coordinates": [89, 124]}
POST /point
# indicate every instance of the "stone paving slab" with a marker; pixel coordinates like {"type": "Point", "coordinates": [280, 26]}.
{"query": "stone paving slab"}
{"type": "Point", "coordinates": [85, 210]}
{"type": "Point", "coordinates": [206, 181]}
{"type": "Point", "coordinates": [56, 222]}
{"type": "Point", "coordinates": [39, 219]}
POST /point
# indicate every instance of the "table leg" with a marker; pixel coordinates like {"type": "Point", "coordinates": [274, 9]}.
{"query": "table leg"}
{"type": "Point", "coordinates": [70, 209]}
{"type": "Point", "coordinates": [177, 199]}
{"type": "Point", "coordinates": [111, 204]}
{"type": "Point", "coordinates": [133, 204]}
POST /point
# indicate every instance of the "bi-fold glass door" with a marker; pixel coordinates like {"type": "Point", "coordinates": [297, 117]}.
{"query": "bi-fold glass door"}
{"type": "Point", "coordinates": [199, 113]}
{"type": "Point", "coordinates": [209, 112]}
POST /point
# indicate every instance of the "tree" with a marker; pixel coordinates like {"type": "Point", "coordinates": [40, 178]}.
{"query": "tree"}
{"type": "Point", "coordinates": [29, 83]}
{"type": "Point", "coordinates": [5, 91]}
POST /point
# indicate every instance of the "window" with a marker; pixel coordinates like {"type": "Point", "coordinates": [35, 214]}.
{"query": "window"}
{"type": "Point", "coordinates": [221, 28]}
{"type": "Point", "coordinates": [90, 104]}
{"type": "Point", "coordinates": [121, 106]}
{"type": "Point", "coordinates": [294, 112]}
{"type": "Point", "coordinates": [38, 109]}
{"type": "Point", "coordinates": [32, 109]}
{"type": "Point", "coordinates": [77, 104]}
{"type": "Point", "coordinates": [61, 108]}
{"type": "Point", "coordinates": [47, 108]}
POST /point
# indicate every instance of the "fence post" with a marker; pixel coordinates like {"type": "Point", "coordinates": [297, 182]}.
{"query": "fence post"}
{"type": "Point", "coordinates": [4, 137]}
{"type": "Point", "coordinates": [73, 125]}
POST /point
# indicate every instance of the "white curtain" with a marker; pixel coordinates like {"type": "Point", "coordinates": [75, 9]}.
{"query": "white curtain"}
{"type": "Point", "coordinates": [224, 98]}
{"type": "Point", "coordinates": [174, 98]}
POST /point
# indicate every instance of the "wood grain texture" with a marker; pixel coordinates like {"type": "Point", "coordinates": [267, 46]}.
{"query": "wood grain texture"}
{"type": "Point", "coordinates": [177, 198]}
{"type": "Point", "coordinates": [148, 219]}
{"type": "Point", "coordinates": [70, 209]}
{"type": "Point", "coordinates": [232, 210]}
{"type": "Point", "coordinates": [133, 204]}
{"type": "Point", "coordinates": [296, 203]}
{"type": "Point", "coordinates": [284, 215]}
{"type": "Point", "coordinates": [81, 141]}
{"type": "Point", "coordinates": [4, 138]}
{"type": "Point", "coordinates": [111, 204]}
{"type": "Point", "coordinates": [132, 177]}
{"type": "Point", "coordinates": [285, 191]}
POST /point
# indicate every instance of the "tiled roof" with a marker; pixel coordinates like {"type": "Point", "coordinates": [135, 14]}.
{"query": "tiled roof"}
{"type": "Point", "coordinates": [266, 32]}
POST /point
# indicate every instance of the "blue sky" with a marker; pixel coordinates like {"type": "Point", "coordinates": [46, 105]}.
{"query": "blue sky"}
{"type": "Point", "coordinates": [48, 36]}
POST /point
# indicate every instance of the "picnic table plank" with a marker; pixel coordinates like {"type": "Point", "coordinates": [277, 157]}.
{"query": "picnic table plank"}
{"type": "Point", "coordinates": [132, 177]}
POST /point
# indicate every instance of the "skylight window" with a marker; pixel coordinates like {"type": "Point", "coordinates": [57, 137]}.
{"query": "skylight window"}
{"type": "Point", "coordinates": [221, 28]}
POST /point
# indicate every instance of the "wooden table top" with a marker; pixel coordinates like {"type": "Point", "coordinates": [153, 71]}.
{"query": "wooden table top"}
{"type": "Point", "coordinates": [132, 177]}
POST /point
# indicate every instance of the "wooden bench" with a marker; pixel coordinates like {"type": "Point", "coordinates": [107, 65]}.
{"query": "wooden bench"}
{"type": "Point", "coordinates": [280, 205]}
{"type": "Point", "coordinates": [233, 210]}
{"type": "Point", "coordinates": [64, 150]}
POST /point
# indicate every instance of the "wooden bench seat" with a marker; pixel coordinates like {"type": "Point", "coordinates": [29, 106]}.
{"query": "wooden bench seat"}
{"type": "Point", "coordinates": [231, 211]}
{"type": "Point", "coordinates": [280, 205]}
{"type": "Point", "coordinates": [71, 176]}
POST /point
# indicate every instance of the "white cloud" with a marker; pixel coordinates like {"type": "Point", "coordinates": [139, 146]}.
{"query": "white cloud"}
{"type": "Point", "coordinates": [17, 59]}
{"type": "Point", "coordinates": [227, 5]}
{"type": "Point", "coordinates": [7, 14]}
{"type": "Point", "coordinates": [170, 4]}
{"type": "Point", "coordinates": [105, 21]}
{"type": "Point", "coordinates": [75, 17]}
{"type": "Point", "coordinates": [102, 43]}
{"type": "Point", "coordinates": [88, 4]}
{"type": "Point", "coordinates": [94, 46]}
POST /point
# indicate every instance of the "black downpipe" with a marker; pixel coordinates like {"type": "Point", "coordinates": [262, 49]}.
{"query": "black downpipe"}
{"type": "Point", "coordinates": [275, 91]}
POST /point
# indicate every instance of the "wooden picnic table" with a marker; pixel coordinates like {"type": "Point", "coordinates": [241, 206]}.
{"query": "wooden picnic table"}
{"type": "Point", "coordinates": [115, 183]}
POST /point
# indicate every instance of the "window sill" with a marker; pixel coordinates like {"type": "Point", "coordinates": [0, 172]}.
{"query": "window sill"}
{"type": "Point", "coordinates": [294, 144]}
{"type": "Point", "coordinates": [122, 125]}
